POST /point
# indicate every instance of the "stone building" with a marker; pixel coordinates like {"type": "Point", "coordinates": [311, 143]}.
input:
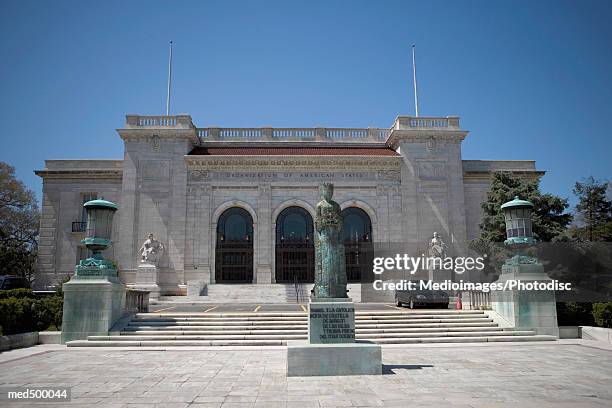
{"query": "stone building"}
{"type": "Point", "coordinates": [235, 205]}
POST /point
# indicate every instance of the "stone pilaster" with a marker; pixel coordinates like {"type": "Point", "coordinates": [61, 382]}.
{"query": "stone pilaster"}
{"type": "Point", "coordinates": [263, 248]}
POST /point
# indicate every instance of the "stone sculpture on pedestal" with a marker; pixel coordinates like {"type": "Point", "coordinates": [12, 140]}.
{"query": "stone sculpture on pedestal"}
{"type": "Point", "coordinates": [151, 250]}
{"type": "Point", "coordinates": [331, 348]}
{"type": "Point", "coordinates": [330, 268]}
{"type": "Point", "coordinates": [437, 247]}
{"type": "Point", "coordinates": [147, 276]}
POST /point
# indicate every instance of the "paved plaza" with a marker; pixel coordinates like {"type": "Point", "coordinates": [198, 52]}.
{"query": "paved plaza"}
{"type": "Point", "coordinates": [562, 374]}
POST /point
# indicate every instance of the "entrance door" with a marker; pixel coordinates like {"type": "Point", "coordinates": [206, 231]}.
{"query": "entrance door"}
{"type": "Point", "coordinates": [294, 246]}
{"type": "Point", "coordinates": [357, 236]}
{"type": "Point", "coordinates": [234, 250]}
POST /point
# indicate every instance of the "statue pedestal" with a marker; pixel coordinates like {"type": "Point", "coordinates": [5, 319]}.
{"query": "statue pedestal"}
{"type": "Point", "coordinates": [361, 358]}
{"type": "Point", "coordinates": [93, 302]}
{"type": "Point", "coordinates": [331, 348]}
{"type": "Point", "coordinates": [527, 310]}
{"type": "Point", "coordinates": [147, 278]}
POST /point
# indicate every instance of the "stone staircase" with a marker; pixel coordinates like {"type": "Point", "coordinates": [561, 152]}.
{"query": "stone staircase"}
{"type": "Point", "coordinates": [275, 329]}
{"type": "Point", "coordinates": [245, 293]}
{"type": "Point", "coordinates": [257, 294]}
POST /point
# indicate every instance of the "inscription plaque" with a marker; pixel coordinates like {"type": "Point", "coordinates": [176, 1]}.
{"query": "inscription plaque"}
{"type": "Point", "coordinates": [331, 322]}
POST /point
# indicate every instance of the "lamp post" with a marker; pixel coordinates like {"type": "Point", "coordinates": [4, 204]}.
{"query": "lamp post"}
{"type": "Point", "coordinates": [94, 297]}
{"type": "Point", "coordinates": [524, 309]}
{"type": "Point", "coordinates": [518, 222]}
{"type": "Point", "coordinates": [100, 213]}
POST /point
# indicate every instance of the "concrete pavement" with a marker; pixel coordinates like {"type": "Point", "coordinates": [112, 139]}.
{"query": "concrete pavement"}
{"type": "Point", "coordinates": [573, 373]}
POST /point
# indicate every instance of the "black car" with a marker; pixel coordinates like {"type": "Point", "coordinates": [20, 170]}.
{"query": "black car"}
{"type": "Point", "coordinates": [13, 282]}
{"type": "Point", "coordinates": [430, 298]}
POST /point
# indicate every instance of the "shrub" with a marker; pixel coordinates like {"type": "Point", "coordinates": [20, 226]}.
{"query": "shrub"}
{"type": "Point", "coordinates": [52, 311]}
{"type": "Point", "coordinates": [574, 314]}
{"type": "Point", "coordinates": [17, 293]}
{"type": "Point", "coordinates": [602, 313]}
{"type": "Point", "coordinates": [20, 315]}
{"type": "Point", "coordinates": [16, 315]}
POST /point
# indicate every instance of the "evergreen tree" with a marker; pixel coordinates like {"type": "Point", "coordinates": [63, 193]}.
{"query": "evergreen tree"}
{"type": "Point", "coordinates": [549, 218]}
{"type": "Point", "coordinates": [594, 211]}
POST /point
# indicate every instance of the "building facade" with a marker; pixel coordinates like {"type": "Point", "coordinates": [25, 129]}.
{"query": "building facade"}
{"type": "Point", "coordinates": [235, 205]}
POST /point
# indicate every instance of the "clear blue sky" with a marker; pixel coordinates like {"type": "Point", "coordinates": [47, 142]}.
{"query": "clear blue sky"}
{"type": "Point", "coordinates": [530, 79]}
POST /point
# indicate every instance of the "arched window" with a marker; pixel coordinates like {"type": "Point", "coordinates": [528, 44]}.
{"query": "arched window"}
{"type": "Point", "coordinates": [357, 236]}
{"type": "Point", "coordinates": [234, 249]}
{"type": "Point", "coordinates": [294, 246]}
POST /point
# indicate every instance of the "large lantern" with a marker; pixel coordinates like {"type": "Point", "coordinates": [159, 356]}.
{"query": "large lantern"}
{"type": "Point", "coordinates": [518, 221]}
{"type": "Point", "coordinates": [99, 228]}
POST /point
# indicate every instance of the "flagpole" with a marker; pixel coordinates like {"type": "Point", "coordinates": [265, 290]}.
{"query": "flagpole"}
{"type": "Point", "coordinates": [169, 81]}
{"type": "Point", "coordinates": [414, 81]}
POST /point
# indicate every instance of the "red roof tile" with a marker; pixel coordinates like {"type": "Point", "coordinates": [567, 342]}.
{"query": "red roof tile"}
{"type": "Point", "coordinates": [293, 151]}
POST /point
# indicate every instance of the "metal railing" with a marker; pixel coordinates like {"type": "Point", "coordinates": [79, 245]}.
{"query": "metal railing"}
{"type": "Point", "coordinates": [137, 300]}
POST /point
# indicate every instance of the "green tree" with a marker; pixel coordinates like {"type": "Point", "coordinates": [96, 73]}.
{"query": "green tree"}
{"type": "Point", "coordinates": [550, 220]}
{"type": "Point", "coordinates": [594, 211]}
{"type": "Point", "coordinates": [549, 217]}
{"type": "Point", "coordinates": [19, 221]}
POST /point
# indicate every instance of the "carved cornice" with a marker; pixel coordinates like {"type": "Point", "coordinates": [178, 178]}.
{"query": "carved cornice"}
{"type": "Point", "coordinates": [294, 163]}
{"type": "Point", "coordinates": [486, 175]}
{"type": "Point", "coordinates": [425, 136]}
{"type": "Point", "coordinates": [145, 134]}
{"type": "Point", "coordinates": [79, 174]}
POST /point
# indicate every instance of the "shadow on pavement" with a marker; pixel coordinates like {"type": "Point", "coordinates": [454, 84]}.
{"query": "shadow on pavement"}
{"type": "Point", "coordinates": [391, 368]}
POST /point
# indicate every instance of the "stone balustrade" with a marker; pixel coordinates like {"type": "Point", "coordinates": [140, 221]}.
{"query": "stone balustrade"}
{"type": "Point", "coordinates": [137, 300]}
{"type": "Point", "coordinates": [478, 300]}
{"type": "Point", "coordinates": [426, 123]}
{"type": "Point", "coordinates": [296, 134]}
{"type": "Point", "coordinates": [312, 134]}
{"type": "Point", "coordinates": [158, 121]}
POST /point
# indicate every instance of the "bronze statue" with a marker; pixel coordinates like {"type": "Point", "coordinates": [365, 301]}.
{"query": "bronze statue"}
{"type": "Point", "coordinates": [330, 269]}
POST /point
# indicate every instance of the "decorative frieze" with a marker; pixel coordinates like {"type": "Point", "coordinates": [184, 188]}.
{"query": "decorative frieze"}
{"type": "Point", "coordinates": [294, 163]}
{"type": "Point", "coordinates": [299, 176]}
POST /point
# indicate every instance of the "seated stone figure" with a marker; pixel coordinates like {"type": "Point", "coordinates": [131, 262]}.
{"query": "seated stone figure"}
{"type": "Point", "coordinates": [151, 250]}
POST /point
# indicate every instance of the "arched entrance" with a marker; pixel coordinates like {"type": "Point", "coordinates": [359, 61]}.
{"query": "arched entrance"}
{"type": "Point", "coordinates": [294, 246]}
{"type": "Point", "coordinates": [357, 237]}
{"type": "Point", "coordinates": [234, 249]}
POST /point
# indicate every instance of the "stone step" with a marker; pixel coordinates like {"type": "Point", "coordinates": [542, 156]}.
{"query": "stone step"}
{"type": "Point", "coordinates": [487, 338]}
{"type": "Point", "coordinates": [366, 323]}
{"type": "Point", "coordinates": [300, 318]}
{"type": "Point", "coordinates": [213, 328]}
{"type": "Point", "coordinates": [375, 336]}
{"type": "Point", "coordinates": [217, 336]}
{"type": "Point", "coordinates": [398, 331]}
{"type": "Point", "coordinates": [168, 343]}
{"type": "Point", "coordinates": [302, 327]}
{"type": "Point", "coordinates": [221, 322]}
{"type": "Point", "coordinates": [304, 314]}
{"type": "Point", "coordinates": [245, 293]}
{"type": "Point", "coordinates": [171, 343]}
{"type": "Point", "coordinates": [303, 335]}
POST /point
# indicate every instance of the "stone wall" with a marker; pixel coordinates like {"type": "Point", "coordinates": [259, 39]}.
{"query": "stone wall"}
{"type": "Point", "coordinates": [65, 182]}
